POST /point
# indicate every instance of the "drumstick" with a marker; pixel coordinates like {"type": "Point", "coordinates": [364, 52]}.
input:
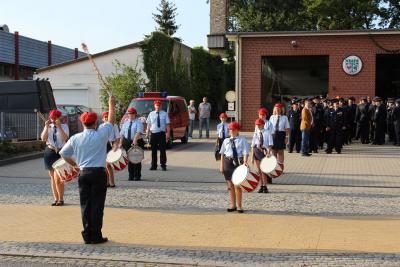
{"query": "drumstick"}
{"type": "Point", "coordinates": [96, 70]}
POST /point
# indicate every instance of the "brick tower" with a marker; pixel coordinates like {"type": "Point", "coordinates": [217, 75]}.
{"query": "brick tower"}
{"type": "Point", "coordinates": [218, 26]}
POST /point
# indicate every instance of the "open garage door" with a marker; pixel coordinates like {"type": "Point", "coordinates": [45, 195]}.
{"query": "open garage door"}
{"type": "Point", "coordinates": [284, 77]}
{"type": "Point", "coordinates": [71, 96]}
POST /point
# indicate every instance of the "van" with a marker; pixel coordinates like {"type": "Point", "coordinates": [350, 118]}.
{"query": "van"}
{"type": "Point", "coordinates": [175, 106]}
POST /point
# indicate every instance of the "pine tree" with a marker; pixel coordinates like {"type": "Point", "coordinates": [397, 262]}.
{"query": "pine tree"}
{"type": "Point", "coordinates": [166, 18]}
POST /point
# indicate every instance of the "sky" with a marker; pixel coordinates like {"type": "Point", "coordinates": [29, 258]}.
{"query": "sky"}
{"type": "Point", "coordinates": [101, 24]}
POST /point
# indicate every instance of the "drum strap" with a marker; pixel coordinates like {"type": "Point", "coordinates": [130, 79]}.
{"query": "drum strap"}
{"type": "Point", "coordinates": [234, 150]}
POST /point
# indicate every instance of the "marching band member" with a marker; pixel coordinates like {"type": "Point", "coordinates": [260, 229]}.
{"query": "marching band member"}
{"type": "Point", "coordinates": [158, 130]}
{"type": "Point", "coordinates": [263, 114]}
{"type": "Point", "coordinates": [112, 142]}
{"type": "Point", "coordinates": [88, 151]}
{"type": "Point", "coordinates": [222, 133]}
{"type": "Point", "coordinates": [131, 133]}
{"type": "Point", "coordinates": [234, 151]}
{"type": "Point", "coordinates": [280, 132]}
{"type": "Point", "coordinates": [56, 135]}
{"type": "Point", "coordinates": [261, 146]}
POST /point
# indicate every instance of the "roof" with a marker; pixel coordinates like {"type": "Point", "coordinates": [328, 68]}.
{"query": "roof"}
{"type": "Point", "coordinates": [129, 46]}
{"type": "Point", "coordinates": [314, 33]}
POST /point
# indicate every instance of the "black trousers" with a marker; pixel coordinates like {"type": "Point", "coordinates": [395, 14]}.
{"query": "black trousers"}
{"type": "Point", "coordinates": [397, 132]}
{"type": "Point", "coordinates": [314, 139]}
{"type": "Point", "coordinates": [295, 139]}
{"type": "Point", "coordinates": [363, 131]}
{"type": "Point", "coordinates": [158, 141]}
{"type": "Point", "coordinates": [134, 170]}
{"type": "Point", "coordinates": [92, 193]}
{"type": "Point", "coordinates": [391, 132]}
{"type": "Point", "coordinates": [335, 139]}
{"type": "Point", "coordinates": [379, 133]}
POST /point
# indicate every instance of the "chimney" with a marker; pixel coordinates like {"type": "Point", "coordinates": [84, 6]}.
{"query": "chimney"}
{"type": "Point", "coordinates": [218, 26]}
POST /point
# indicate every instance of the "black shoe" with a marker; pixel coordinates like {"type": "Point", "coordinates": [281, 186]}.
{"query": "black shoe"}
{"type": "Point", "coordinates": [100, 241]}
{"type": "Point", "coordinates": [339, 151]}
{"type": "Point", "coordinates": [298, 151]}
{"type": "Point", "coordinates": [54, 203]}
{"type": "Point", "coordinates": [60, 203]}
{"type": "Point", "coordinates": [261, 190]}
{"type": "Point", "coordinates": [164, 168]}
{"type": "Point", "coordinates": [328, 151]}
{"type": "Point", "coordinates": [231, 210]}
{"type": "Point", "coordinates": [266, 189]}
{"type": "Point", "coordinates": [153, 168]}
{"type": "Point", "coordinates": [137, 178]}
{"type": "Point", "coordinates": [112, 186]}
{"type": "Point", "coordinates": [131, 178]}
{"type": "Point", "coordinates": [290, 151]}
{"type": "Point", "coordinates": [306, 154]}
{"type": "Point", "coordinates": [240, 211]}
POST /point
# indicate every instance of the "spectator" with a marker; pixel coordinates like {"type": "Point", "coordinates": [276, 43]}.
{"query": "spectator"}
{"type": "Point", "coordinates": [204, 117]}
{"type": "Point", "coordinates": [192, 117]}
{"type": "Point", "coordinates": [305, 127]}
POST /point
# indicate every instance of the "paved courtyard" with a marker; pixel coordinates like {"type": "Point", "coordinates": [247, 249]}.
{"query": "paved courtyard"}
{"type": "Point", "coordinates": [326, 210]}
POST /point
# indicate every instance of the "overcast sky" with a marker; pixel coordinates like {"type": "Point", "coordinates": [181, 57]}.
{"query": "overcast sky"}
{"type": "Point", "coordinates": [102, 24]}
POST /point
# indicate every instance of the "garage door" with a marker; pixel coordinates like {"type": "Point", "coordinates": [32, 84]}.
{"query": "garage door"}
{"type": "Point", "coordinates": [71, 96]}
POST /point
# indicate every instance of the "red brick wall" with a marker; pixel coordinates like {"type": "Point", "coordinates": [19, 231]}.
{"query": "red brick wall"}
{"type": "Point", "coordinates": [336, 47]}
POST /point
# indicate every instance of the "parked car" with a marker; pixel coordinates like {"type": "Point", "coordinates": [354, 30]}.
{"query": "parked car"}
{"type": "Point", "coordinates": [74, 112]}
{"type": "Point", "coordinates": [175, 106]}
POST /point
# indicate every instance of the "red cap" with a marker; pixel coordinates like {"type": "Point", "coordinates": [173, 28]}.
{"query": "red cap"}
{"type": "Point", "coordinates": [54, 114]}
{"type": "Point", "coordinates": [278, 105]}
{"type": "Point", "coordinates": [157, 103]}
{"type": "Point", "coordinates": [260, 122]}
{"type": "Point", "coordinates": [104, 114]}
{"type": "Point", "coordinates": [263, 111]}
{"type": "Point", "coordinates": [234, 125]}
{"type": "Point", "coordinates": [88, 117]}
{"type": "Point", "coordinates": [132, 111]}
{"type": "Point", "coordinates": [223, 115]}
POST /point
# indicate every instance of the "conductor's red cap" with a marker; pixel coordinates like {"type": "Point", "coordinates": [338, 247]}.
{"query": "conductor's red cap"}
{"type": "Point", "coordinates": [88, 117]}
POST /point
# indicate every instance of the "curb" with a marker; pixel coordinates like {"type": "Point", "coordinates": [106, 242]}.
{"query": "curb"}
{"type": "Point", "coordinates": [21, 158]}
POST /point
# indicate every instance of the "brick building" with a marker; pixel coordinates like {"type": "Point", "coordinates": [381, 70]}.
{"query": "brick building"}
{"type": "Point", "coordinates": [274, 66]}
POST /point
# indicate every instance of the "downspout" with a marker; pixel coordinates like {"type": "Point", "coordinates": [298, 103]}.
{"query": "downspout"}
{"type": "Point", "coordinates": [238, 77]}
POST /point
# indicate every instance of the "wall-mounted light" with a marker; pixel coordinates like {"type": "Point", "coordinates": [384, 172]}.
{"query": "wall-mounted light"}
{"type": "Point", "coordinates": [294, 43]}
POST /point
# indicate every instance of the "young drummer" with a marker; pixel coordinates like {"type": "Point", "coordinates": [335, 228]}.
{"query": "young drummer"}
{"type": "Point", "coordinates": [113, 142]}
{"type": "Point", "coordinates": [222, 133]}
{"type": "Point", "coordinates": [263, 114]}
{"type": "Point", "coordinates": [261, 146]}
{"type": "Point", "coordinates": [234, 152]}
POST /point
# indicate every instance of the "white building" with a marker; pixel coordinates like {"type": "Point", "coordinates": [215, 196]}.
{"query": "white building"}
{"type": "Point", "coordinates": [75, 82]}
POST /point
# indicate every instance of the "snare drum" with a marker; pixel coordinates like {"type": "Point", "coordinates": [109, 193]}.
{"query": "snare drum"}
{"type": "Point", "coordinates": [66, 172]}
{"type": "Point", "coordinates": [245, 179]}
{"type": "Point", "coordinates": [117, 159]}
{"type": "Point", "coordinates": [271, 167]}
{"type": "Point", "coordinates": [268, 164]}
{"type": "Point", "coordinates": [135, 154]}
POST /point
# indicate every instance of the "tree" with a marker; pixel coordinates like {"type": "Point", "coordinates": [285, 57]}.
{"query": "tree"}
{"type": "Point", "coordinates": [292, 15]}
{"type": "Point", "coordinates": [125, 83]}
{"type": "Point", "coordinates": [166, 18]}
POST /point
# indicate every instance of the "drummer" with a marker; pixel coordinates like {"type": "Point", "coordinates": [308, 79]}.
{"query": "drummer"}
{"type": "Point", "coordinates": [131, 133]}
{"type": "Point", "coordinates": [113, 142]}
{"type": "Point", "coordinates": [263, 114]}
{"type": "Point", "coordinates": [280, 132]}
{"type": "Point", "coordinates": [222, 131]}
{"type": "Point", "coordinates": [234, 152]}
{"type": "Point", "coordinates": [56, 135]}
{"type": "Point", "coordinates": [261, 147]}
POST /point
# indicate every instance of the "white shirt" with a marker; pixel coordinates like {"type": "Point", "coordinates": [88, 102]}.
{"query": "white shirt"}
{"type": "Point", "coordinates": [267, 138]}
{"type": "Point", "coordinates": [242, 147]}
{"type": "Point", "coordinates": [88, 148]}
{"type": "Point", "coordinates": [219, 130]}
{"type": "Point", "coordinates": [115, 133]}
{"type": "Point", "coordinates": [283, 123]}
{"type": "Point", "coordinates": [192, 115]}
{"type": "Point", "coordinates": [59, 143]}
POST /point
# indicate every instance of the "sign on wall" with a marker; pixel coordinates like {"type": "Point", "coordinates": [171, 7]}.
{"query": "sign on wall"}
{"type": "Point", "coordinates": [352, 65]}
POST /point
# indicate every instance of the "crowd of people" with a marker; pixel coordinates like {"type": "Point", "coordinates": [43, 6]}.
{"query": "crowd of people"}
{"type": "Point", "coordinates": [317, 121]}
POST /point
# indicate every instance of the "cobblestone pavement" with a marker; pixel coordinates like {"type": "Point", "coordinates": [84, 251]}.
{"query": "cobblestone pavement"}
{"type": "Point", "coordinates": [124, 256]}
{"type": "Point", "coordinates": [364, 182]}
